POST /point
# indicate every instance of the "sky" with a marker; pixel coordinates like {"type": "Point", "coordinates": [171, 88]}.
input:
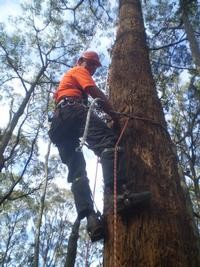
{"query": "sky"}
{"type": "Point", "coordinates": [12, 7]}
{"type": "Point", "coordinates": [8, 7]}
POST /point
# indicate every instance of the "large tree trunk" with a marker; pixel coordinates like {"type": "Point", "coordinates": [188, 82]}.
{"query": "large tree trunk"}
{"type": "Point", "coordinates": [161, 235]}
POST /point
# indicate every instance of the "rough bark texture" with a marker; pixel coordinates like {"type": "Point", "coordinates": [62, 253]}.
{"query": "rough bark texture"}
{"type": "Point", "coordinates": [161, 235]}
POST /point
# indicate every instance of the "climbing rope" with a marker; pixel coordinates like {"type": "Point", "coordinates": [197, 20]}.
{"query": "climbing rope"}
{"type": "Point", "coordinates": [141, 119]}
{"type": "Point", "coordinates": [85, 133]}
{"type": "Point", "coordinates": [115, 195]}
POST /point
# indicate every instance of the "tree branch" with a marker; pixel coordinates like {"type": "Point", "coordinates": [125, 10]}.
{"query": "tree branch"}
{"type": "Point", "coordinates": [7, 195]}
{"type": "Point", "coordinates": [172, 66]}
{"type": "Point", "coordinates": [168, 45]}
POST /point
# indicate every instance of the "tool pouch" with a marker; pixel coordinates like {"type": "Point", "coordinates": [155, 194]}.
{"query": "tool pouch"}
{"type": "Point", "coordinates": [56, 123]}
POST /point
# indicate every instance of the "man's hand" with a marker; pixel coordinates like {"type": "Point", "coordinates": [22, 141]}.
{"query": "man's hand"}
{"type": "Point", "coordinates": [113, 124]}
{"type": "Point", "coordinates": [95, 92]}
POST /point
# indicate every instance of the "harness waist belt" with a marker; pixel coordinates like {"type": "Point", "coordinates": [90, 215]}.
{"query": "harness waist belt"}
{"type": "Point", "coordinates": [69, 100]}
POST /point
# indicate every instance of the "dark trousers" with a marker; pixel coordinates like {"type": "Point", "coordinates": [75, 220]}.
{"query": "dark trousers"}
{"type": "Point", "coordinates": [68, 126]}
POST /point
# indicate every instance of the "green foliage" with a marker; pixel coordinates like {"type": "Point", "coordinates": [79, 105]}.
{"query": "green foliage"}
{"type": "Point", "coordinates": [189, 6]}
{"type": "Point", "coordinates": [167, 38]}
{"type": "Point", "coordinates": [35, 49]}
{"type": "Point", "coordinates": [184, 125]}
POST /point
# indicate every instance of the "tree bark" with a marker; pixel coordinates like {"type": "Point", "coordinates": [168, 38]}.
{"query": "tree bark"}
{"type": "Point", "coordinates": [161, 235]}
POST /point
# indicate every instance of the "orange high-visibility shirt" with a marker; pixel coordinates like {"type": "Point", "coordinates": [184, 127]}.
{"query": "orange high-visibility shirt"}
{"type": "Point", "coordinates": [73, 80]}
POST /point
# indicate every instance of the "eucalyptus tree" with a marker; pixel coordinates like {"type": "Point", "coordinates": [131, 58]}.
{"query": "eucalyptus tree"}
{"type": "Point", "coordinates": [47, 38]}
{"type": "Point", "coordinates": [15, 239]}
{"type": "Point", "coordinates": [163, 233]}
{"type": "Point", "coordinates": [19, 226]}
{"type": "Point", "coordinates": [174, 58]}
{"type": "Point", "coordinates": [169, 41]}
{"type": "Point", "coordinates": [166, 36]}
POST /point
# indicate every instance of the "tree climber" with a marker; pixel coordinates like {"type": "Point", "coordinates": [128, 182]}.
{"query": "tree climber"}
{"type": "Point", "coordinates": [68, 126]}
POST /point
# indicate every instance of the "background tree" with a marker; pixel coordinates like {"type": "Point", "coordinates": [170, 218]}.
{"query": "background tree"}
{"type": "Point", "coordinates": [50, 34]}
{"type": "Point", "coordinates": [188, 10]}
{"type": "Point", "coordinates": [185, 133]}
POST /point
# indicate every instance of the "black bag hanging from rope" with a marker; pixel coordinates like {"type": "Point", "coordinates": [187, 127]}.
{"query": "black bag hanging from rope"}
{"type": "Point", "coordinates": [54, 131]}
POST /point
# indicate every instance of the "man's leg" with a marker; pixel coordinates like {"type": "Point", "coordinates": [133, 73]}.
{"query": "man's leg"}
{"type": "Point", "coordinates": [80, 188]}
{"type": "Point", "coordinates": [77, 176]}
{"type": "Point", "coordinates": [102, 141]}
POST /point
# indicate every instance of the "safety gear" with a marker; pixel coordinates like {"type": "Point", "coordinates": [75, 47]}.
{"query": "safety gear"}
{"type": "Point", "coordinates": [70, 101]}
{"type": "Point", "coordinates": [91, 55]}
{"type": "Point", "coordinates": [95, 226]}
{"type": "Point", "coordinates": [82, 197]}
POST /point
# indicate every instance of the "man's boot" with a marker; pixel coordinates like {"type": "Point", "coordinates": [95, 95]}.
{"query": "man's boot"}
{"type": "Point", "coordinates": [84, 207]}
{"type": "Point", "coordinates": [95, 227]}
{"type": "Point", "coordinates": [126, 200]}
